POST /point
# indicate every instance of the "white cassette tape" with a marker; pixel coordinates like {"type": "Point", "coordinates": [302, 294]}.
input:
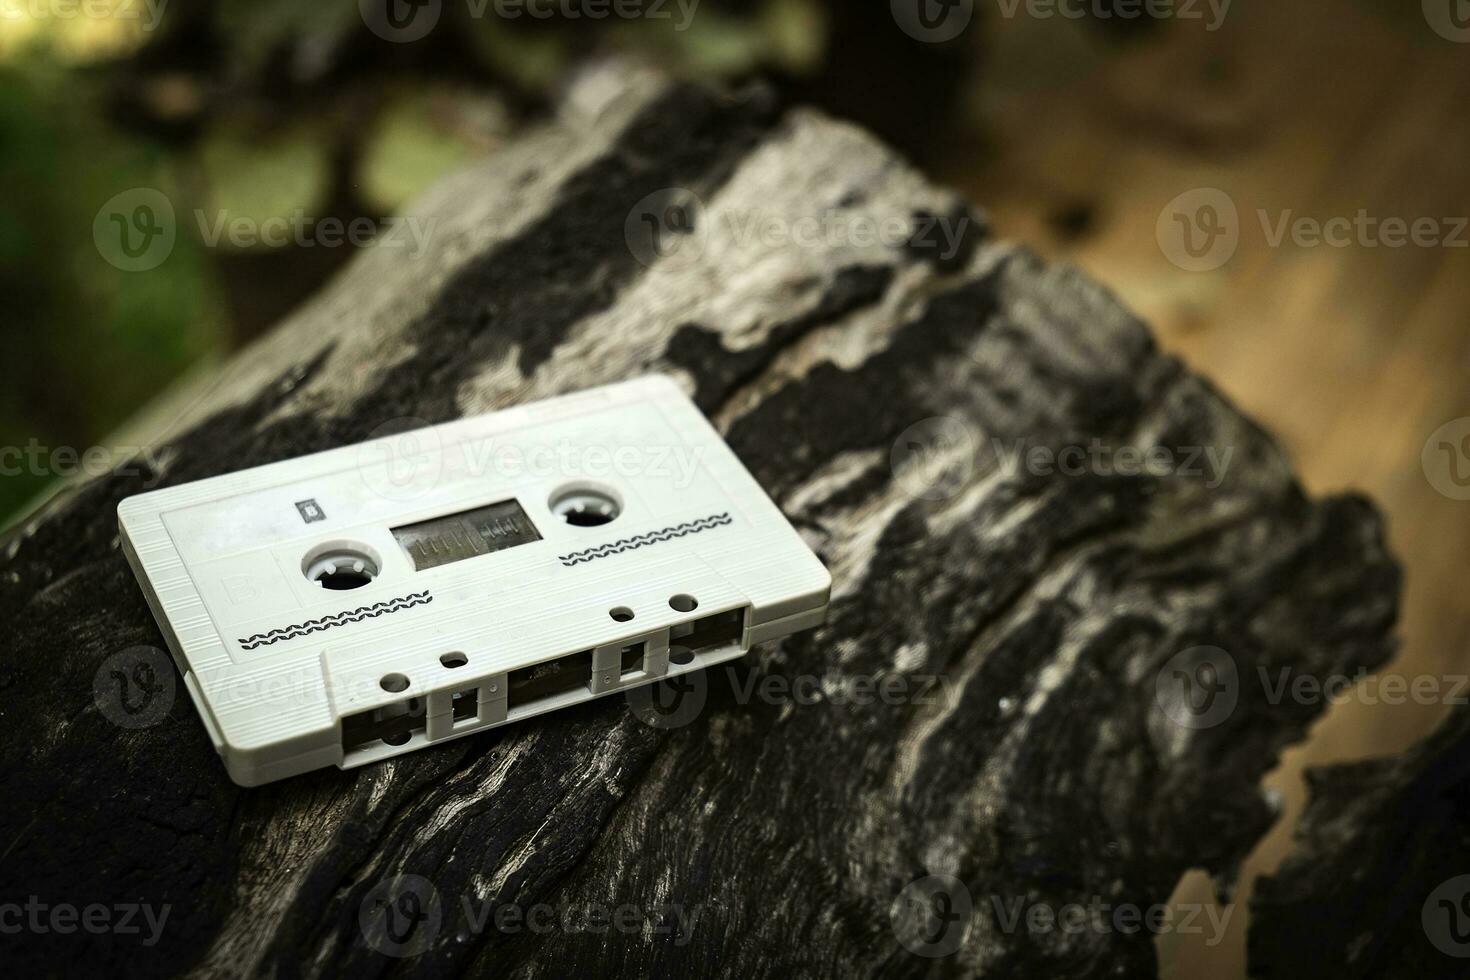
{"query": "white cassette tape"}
{"type": "Point", "coordinates": [367, 601]}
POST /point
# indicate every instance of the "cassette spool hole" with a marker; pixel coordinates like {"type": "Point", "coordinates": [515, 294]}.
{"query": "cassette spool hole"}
{"type": "Point", "coordinates": [584, 505]}
{"type": "Point", "coordinates": [341, 568]}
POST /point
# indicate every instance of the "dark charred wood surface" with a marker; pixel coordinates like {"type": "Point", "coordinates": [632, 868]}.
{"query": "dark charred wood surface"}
{"type": "Point", "coordinates": [1379, 882]}
{"type": "Point", "coordinates": [1038, 629]}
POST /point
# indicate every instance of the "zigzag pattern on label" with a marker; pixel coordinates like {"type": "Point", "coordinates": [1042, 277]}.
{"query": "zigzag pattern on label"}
{"type": "Point", "coordinates": [643, 540]}
{"type": "Point", "coordinates": [336, 619]}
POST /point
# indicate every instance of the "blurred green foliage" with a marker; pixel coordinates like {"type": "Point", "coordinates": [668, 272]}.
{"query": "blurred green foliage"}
{"type": "Point", "coordinates": [245, 176]}
{"type": "Point", "coordinates": [255, 111]}
{"type": "Point", "coordinates": [84, 343]}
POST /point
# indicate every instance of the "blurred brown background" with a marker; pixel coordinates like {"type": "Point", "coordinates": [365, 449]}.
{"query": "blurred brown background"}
{"type": "Point", "coordinates": [1351, 355]}
{"type": "Point", "coordinates": [1097, 137]}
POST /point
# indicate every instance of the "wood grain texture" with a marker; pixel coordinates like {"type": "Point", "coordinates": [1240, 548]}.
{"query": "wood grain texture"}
{"type": "Point", "coordinates": [879, 390]}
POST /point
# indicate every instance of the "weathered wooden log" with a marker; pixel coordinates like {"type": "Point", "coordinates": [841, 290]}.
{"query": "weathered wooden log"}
{"type": "Point", "coordinates": [1055, 632]}
{"type": "Point", "coordinates": [1378, 884]}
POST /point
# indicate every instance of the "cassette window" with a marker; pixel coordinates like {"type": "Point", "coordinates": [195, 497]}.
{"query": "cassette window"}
{"type": "Point", "coordinates": [467, 534]}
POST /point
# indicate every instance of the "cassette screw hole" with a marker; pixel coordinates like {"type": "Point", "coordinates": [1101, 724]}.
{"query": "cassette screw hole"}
{"type": "Point", "coordinates": [680, 656]}
{"type": "Point", "coordinates": [620, 613]}
{"type": "Point", "coordinates": [455, 659]}
{"type": "Point", "coordinates": [393, 683]}
{"type": "Point", "coordinates": [397, 738]}
{"type": "Point", "coordinates": [683, 603]}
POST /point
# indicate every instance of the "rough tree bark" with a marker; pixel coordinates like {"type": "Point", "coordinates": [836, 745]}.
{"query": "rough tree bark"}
{"type": "Point", "coordinates": [1042, 750]}
{"type": "Point", "coordinates": [1379, 882]}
